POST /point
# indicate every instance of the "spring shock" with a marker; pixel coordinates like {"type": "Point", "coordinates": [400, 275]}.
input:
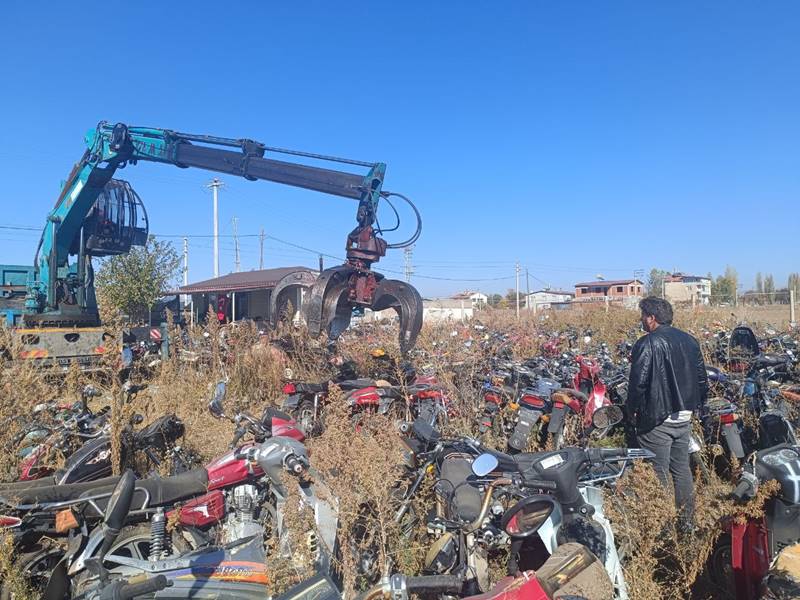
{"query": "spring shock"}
{"type": "Point", "coordinates": [158, 535]}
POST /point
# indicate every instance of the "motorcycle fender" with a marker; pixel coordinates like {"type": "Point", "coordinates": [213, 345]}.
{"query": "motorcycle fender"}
{"type": "Point", "coordinates": [527, 418]}
{"type": "Point", "coordinates": [595, 497]}
{"type": "Point", "coordinates": [556, 419]}
{"type": "Point", "coordinates": [733, 439]}
{"type": "Point", "coordinates": [547, 533]}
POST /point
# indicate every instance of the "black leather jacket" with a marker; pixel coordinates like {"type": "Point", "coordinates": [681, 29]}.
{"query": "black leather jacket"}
{"type": "Point", "coordinates": [668, 375]}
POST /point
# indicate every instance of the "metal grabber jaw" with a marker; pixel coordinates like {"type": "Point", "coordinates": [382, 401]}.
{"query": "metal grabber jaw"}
{"type": "Point", "coordinates": [331, 297]}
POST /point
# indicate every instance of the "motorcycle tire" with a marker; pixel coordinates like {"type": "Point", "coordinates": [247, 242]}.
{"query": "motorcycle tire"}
{"type": "Point", "coordinates": [34, 568]}
{"type": "Point", "coordinates": [719, 566]}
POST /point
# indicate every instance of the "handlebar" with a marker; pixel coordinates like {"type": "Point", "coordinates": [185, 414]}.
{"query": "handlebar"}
{"type": "Point", "coordinates": [238, 434]}
{"type": "Point", "coordinates": [294, 465]}
{"type": "Point", "coordinates": [434, 583]}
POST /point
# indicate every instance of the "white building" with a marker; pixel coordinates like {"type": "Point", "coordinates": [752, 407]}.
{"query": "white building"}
{"type": "Point", "coordinates": [679, 287]}
{"type": "Point", "coordinates": [544, 298]}
{"type": "Point", "coordinates": [475, 298]}
{"type": "Point", "coordinates": [441, 309]}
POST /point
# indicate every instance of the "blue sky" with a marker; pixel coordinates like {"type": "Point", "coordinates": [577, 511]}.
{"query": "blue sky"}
{"type": "Point", "coordinates": [576, 138]}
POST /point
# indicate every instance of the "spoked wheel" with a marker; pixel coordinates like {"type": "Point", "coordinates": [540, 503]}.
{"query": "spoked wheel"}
{"type": "Point", "coordinates": [309, 422]}
{"type": "Point", "coordinates": [719, 566]}
{"type": "Point", "coordinates": [34, 570]}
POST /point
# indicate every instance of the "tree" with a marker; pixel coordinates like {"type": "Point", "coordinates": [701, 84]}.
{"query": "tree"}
{"type": "Point", "coordinates": [655, 284]}
{"type": "Point", "coordinates": [723, 288]}
{"type": "Point", "coordinates": [511, 298]}
{"type": "Point", "coordinates": [131, 283]}
{"type": "Point", "coordinates": [759, 283]}
{"type": "Point", "coordinates": [769, 288]}
{"type": "Point", "coordinates": [495, 300]}
{"type": "Point", "coordinates": [794, 284]}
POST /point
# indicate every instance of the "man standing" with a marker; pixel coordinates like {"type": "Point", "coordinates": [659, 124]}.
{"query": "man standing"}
{"type": "Point", "coordinates": [668, 382]}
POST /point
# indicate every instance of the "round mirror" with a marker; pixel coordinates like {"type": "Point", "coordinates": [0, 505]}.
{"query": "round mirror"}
{"type": "Point", "coordinates": [606, 416]}
{"type": "Point", "coordinates": [527, 516]}
{"type": "Point", "coordinates": [215, 406]}
{"type": "Point", "coordinates": [484, 464]}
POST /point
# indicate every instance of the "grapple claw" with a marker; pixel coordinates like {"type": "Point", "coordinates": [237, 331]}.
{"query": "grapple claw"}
{"type": "Point", "coordinates": [283, 291]}
{"type": "Point", "coordinates": [327, 307]}
{"type": "Point", "coordinates": [405, 299]}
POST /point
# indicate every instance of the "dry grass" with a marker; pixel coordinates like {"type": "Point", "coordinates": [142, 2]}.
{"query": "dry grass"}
{"type": "Point", "coordinates": [364, 469]}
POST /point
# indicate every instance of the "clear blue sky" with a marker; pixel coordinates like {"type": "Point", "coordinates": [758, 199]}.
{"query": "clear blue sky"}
{"type": "Point", "coordinates": [576, 137]}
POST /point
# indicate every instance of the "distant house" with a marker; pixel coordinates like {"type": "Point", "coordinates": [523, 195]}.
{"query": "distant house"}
{"type": "Point", "coordinates": [442, 309]}
{"type": "Point", "coordinates": [475, 298]}
{"type": "Point", "coordinates": [244, 295]}
{"type": "Point", "coordinates": [679, 287]}
{"type": "Point", "coordinates": [623, 291]}
{"type": "Point", "coordinates": [546, 298]}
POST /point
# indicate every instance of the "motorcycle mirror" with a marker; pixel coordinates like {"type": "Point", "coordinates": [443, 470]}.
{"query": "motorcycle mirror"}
{"type": "Point", "coordinates": [137, 419]}
{"type": "Point", "coordinates": [606, 416]}
{"type": "Point", "coordinates": [484, 464]}
{"type": "Point", "coordinates": [127, 357]}
{"type": "Point", "coordinates": [215, 406]}
{"type": "Point", "coordinates": [527, 516]}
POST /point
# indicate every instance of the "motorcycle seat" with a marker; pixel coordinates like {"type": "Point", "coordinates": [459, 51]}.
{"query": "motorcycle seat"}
{"type": "Point", "coordinates": [162, 491]}
{"type": "Point", "coordinates": [770, 360]}
{"type": "Point", "coordinates": [356, 384]}
{"type": "Point", "coordinates": [311, 388]}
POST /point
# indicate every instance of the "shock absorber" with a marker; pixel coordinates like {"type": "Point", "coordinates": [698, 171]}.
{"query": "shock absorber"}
{"type": "Point", "coordinates": [158, 535]}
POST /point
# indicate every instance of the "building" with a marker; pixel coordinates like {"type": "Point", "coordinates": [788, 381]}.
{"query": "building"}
{"type": "Point", "coordinates": [546, 298]}
{"type": "Point", "coordinates": [247, 295]}
{"type": "Point", "coordinates": [679, 287]}
{"type": "Point", "coordinates": [442, 309]}
{"type": "Point", "coordinates": [475, 298]}
{"type": "Point", "coordinates": [627, 292]}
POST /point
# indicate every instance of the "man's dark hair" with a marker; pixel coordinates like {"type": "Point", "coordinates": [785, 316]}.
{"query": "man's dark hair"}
{"type": "Point", "coordinates": [658, 308]}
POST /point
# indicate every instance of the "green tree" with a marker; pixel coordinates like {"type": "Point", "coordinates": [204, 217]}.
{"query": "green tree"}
{"type": "Point", "coordinates": [131, 283]}
{"type": "Point", "coordinates": [655, 283]}
{"type": "Point", "coordinates": [494, 300]}
{"type": "Point", "coordinates": [723, 288]}
{"type": "Point", "coordinates": [511, 298]}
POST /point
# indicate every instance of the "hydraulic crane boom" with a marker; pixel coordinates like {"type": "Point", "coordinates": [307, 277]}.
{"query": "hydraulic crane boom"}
{"type": "Point", "coordinates": [63, 294]}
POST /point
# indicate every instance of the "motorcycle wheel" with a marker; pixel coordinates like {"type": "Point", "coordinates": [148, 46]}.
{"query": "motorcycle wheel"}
{"type": "Point", "coordinates": [34, 567]}
{"type": "Point", "coordinates": [719, 566]}
{"type": "Point", "coordinates": [304, 415]}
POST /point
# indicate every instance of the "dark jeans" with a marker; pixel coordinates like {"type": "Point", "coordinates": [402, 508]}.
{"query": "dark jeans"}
{"type": "Point", "coordinates": [670, 443]}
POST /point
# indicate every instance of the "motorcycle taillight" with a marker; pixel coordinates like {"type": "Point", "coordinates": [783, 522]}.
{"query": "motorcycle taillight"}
{"type": "Point", "coordinates": [491, 397]}
{"type": "Point", "coordinates": [728, 418]}
{"type": "Point", "coordinates": [289, 388]}
{"type": "Point", "coordinates": [532, 401]}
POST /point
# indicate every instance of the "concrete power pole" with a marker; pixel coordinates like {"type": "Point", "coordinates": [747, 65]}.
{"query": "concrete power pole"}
{"type": "Point", "coordinates": [215, 185]}
{"type": "Point", "coordinates": [517, 269]}
{"type": "Point", "coordinates": [185, 266]}
{"type": "Point", "coordinates": [408, 252]}
{"type": "Point", "coordinates": [528, 290]}
{"type": "Point", "coordinates": [261, 253]}
{"type": "Point", "coordinates": [236, 262]}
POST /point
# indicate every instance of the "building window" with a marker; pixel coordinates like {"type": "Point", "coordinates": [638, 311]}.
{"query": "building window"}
{"type": "Point", "coordinates": [620, 289]}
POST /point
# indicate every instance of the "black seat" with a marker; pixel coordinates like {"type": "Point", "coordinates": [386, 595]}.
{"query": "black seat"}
{"type": "Point", "coordinates": [311, 388]}
{"type": "Point", "coordinates": [356, 384]}
{"type": "Point", "coordinates": [18, 495]}
{"type": "Point", "coordinates": [770, 360]}
{"type": "Point", "coordinates": [162, 491]}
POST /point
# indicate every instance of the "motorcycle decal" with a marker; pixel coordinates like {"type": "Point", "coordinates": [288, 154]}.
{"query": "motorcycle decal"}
{"type": "Point", "coordinates": [231, 571]}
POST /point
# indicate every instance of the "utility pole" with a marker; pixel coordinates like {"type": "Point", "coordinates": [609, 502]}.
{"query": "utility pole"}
{"type": "Point", "coordinates": [261, 253]}
{"type": "Point", "coordinates": [215, 185]}
{"type": "Point", "coordinates": [528, 290]}
{"type": "Point", "coordinates": [517, 277]}
{"type": "Point", "coordinates": [408, 252]}
{"type": "Point", "coordinates": [238, 265]}
{"type": "Point", "coordinates": [185, 265]}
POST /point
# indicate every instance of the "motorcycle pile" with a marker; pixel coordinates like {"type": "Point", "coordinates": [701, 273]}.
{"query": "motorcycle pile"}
{"type": "Point", "coordinates": [170, 527]}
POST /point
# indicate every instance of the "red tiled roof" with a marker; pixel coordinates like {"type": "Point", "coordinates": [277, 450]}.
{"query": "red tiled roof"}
{"type": "Point", "coordinates": [612, 282]}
